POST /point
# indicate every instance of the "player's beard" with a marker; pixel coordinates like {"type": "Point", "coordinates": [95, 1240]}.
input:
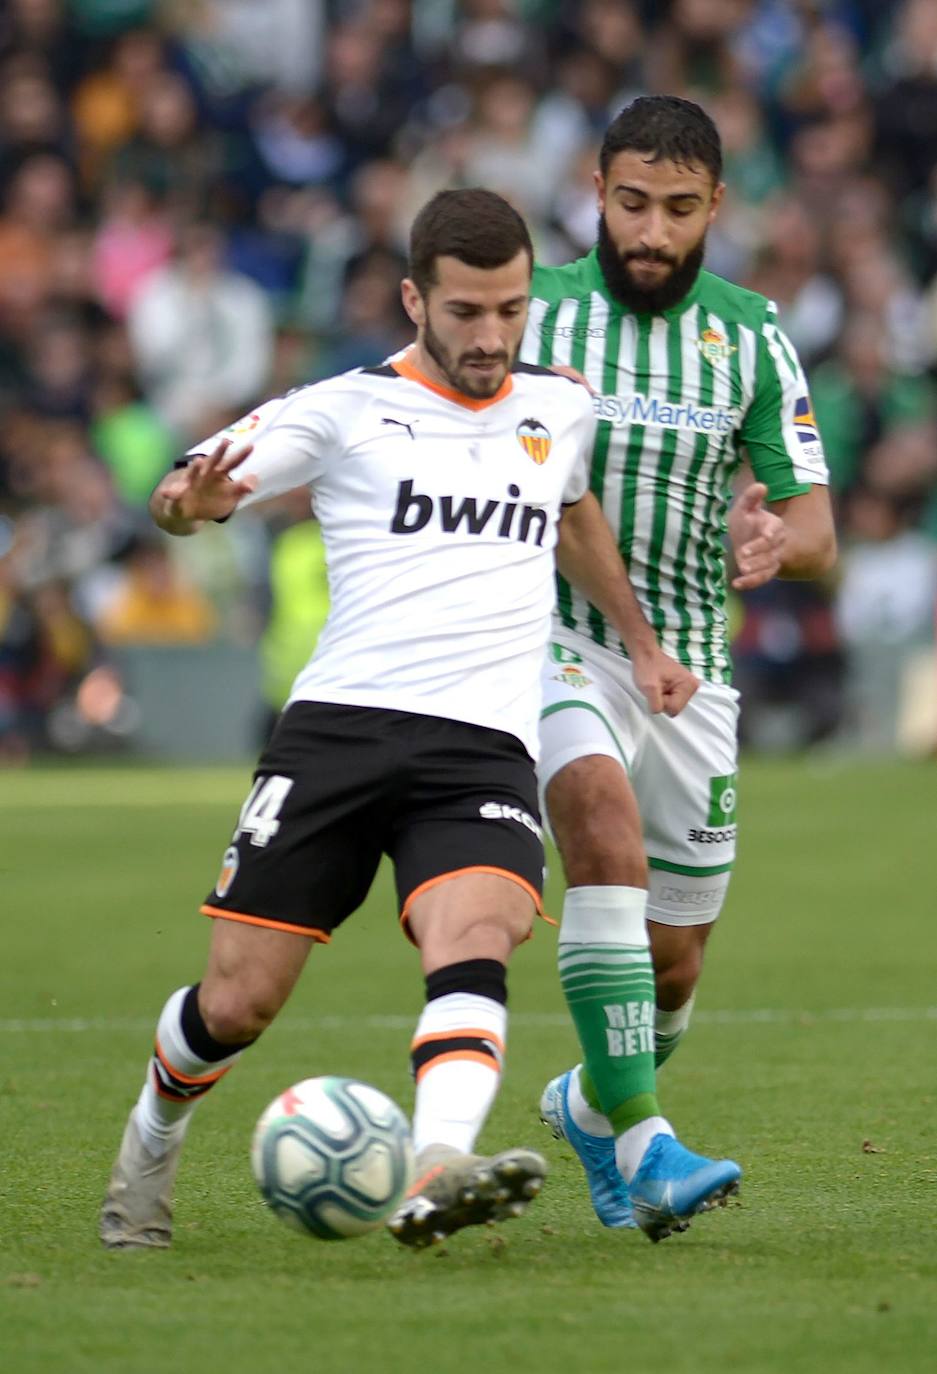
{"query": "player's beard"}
{"type": "Point", "coordinates": [647, 299]}
{"type": "Point", "coordinates": [456, 370]}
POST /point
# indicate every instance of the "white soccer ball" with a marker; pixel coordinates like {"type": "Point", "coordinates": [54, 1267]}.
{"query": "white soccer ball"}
{"type": "Point", "coordinates": [333, 1157]}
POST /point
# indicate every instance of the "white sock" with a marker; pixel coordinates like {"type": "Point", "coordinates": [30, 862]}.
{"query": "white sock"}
{"type": "Point", "coordinates": [631, 1144]}
{"type": "Point", "coordinates": [176, 1079]}
{"type": "Point", "coordinates": [586, 1117]}
{"type": "Point", "coordinates": [457, 1053]}
{"type": "Point", "coordinates": [669, 1027]}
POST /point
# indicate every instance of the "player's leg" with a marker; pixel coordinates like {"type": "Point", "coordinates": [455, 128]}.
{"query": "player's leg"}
{"type": "Point", "coordinates": [607, 978]}
{"type": "Point", "coordinates": [301, 859]}
{"type": "Point", "coordinates": [469, 864]}
{"type": "Point", "coordinates": [686, 782]}
{"type": "Point", "coordinates": [677, 953]}
{"type": "Point", "coordinates": [466, 928]}
{"type": "Point", "coordinates": [201, 1033]}
{"type": "Point", "coordinates": [608, 1109]}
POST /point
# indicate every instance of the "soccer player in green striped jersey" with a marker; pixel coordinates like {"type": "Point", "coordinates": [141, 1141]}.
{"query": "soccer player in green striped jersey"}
{"type": "Point", "coordinates": [694, 384]}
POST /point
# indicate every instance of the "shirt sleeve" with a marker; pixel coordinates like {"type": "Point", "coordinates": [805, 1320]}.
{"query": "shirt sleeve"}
{"type": "Point", "coordinates": [779, 429]}
{"type": "Point", "coordinates": [293, 438]}
{"type": "Point", "coordinates": [577, 483]}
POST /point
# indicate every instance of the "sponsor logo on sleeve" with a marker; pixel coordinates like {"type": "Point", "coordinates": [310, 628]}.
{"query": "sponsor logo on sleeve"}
{"type": "Point", "coordinates": [246, 425]}
{"type": "Point", "coordinates": [805, 426]}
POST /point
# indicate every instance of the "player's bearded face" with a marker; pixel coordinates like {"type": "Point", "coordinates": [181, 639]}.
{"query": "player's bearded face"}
{"type": "Point", "coordinates": [625, 284]}
{"type": "Point", "coordinates": [473, 371]}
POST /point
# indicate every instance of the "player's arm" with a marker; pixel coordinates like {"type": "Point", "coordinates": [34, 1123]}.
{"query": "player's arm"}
{"type": "Point", "coordinates": [291, 438]}
{"type": "Point", "coordinates": [588, 557]}
{"type": "Point", "coordinates": [206, 488]}
{"type": "Point", "coordinates": [794, 538]}
{"type": "Point", "coordinates": [781, 524]}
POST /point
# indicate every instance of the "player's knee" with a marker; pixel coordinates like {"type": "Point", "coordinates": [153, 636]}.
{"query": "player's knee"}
{"type": "Point", "coordinates": [234, 1015]}
{"type": "Point", "coordinates": [595, 820]}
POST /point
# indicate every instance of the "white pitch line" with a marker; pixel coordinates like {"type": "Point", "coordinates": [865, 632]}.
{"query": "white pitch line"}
{"type": "Point", "coordinates": [529, 1020]}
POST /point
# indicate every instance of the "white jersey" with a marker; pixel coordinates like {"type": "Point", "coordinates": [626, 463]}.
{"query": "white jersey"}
{"type": "Point", "coordinates": [439, 517]}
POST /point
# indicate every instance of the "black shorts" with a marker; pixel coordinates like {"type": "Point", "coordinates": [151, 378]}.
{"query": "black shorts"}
{"type": "Point", "coordinates": [338, 786]}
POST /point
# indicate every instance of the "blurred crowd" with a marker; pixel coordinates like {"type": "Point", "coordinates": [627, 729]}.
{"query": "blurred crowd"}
{"type": "Point", "coordinates": [206, 202]}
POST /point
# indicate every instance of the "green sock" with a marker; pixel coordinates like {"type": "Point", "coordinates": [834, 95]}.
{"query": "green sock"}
{"type": "Point", "coordinates": [670, 1028]}
{"type": "Point", "coordinates": [608, 982]}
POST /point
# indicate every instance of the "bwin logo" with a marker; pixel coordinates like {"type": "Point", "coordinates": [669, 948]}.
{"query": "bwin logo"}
{"type": "Point", "coordinates": [415, 511]}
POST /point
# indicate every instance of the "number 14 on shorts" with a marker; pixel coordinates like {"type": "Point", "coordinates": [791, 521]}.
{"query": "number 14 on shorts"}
{"type": "Point", "coordinates": [260, 814]}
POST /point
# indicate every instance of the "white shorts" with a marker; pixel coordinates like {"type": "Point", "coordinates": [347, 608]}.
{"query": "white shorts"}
{"type": "Point", "coordinates": [682, 770]}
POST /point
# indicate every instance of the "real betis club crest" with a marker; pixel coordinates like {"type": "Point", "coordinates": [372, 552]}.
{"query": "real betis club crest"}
{"type": "Point", "coordinates": [715, 347]}
{"type": "Point", "coordinates": [571, 671]}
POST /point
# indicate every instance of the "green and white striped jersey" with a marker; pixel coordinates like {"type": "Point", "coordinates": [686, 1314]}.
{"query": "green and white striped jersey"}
{"type": "Point", "coordinates": [681, 397]}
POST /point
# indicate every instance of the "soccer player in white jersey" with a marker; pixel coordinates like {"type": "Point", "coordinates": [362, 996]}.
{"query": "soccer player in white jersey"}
{"type": "Point", "coordinates": [691, 375]}
{"type": "Point", "coordinates": [442, 483]}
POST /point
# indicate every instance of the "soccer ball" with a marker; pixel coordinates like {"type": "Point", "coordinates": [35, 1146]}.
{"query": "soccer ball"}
{"type": "Point", "coordinates": [333, 1157]}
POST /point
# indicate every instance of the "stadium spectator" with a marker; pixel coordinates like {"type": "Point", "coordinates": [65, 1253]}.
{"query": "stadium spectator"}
{"type": "Point", "coordinates": [202, 336]}
{"type": "Point", "coordinates": [304, 134]}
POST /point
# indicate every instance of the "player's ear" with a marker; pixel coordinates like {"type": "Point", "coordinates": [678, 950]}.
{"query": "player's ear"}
{"type": "Point", "coordinates": [413, 302]}
{"type": "Point", "coordinates": [599, 182]}
{"type": "Point", "coordinates": [718, 192]}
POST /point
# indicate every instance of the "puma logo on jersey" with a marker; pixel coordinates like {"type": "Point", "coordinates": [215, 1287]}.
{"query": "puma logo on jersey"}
{"type": "Point", "coordinates": [389, 420]}
{"type": "Point", "coordinates": [468, 515]}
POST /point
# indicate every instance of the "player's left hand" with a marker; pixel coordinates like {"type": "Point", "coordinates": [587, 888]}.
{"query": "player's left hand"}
{"type": "Point", "coordinates": [665, 684]}
{"type": "Point", "coordinates": [758, 538]}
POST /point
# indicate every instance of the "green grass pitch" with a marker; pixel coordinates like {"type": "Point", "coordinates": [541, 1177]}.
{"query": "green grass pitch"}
{"type": "Point", "coordinates": [812, 1060]}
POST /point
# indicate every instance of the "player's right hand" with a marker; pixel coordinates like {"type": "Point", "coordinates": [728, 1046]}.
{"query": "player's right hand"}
{"type": "Point", "coordinates": [665, 684]}
{"type": "Point", "coordinates": [573, 374]}
{"type": "Point", "coordinates": [205, 489]}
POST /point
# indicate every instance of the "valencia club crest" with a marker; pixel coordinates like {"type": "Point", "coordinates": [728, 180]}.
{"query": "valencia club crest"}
{"type": "Point", "coordinates": [535, 439]}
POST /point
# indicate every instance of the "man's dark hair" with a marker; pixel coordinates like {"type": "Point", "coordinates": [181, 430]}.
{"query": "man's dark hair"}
{"type": "Point", "coordinates": [664, 127]}
{"type": "Point", "coordinates": [476, 226]}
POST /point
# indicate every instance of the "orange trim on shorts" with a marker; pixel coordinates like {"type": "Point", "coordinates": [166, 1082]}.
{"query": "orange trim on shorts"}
{"type": "Point", "coordinates": [474, 868]}
{"type": "Point", "coordinates": [405, 368]}
{"type": "Point", "coordinates": [187, 1078]}
{"type": "Point", "coordinates": [457, 873]}
{"type": "Point", "coordinates": [321, 936]}
{"type": "Point", "coordinates": [459, 1033]}
{"type": "Point", "coordinates": [475, 1056]}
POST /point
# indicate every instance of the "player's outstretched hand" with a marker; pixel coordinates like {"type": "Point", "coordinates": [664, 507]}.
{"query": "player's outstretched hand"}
{"type": "Point", "coordinates": [665, 684]}
{"type": "Point", "coordinates": [757, 537]}
{"type": "Point", "coordinates": [205, 488]}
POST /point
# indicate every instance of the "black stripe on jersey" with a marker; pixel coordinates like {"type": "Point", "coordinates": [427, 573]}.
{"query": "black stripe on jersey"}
{"type": "Point", "coordinates": [385, 370]}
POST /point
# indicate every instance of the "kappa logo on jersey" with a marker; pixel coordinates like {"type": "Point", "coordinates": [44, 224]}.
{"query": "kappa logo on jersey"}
{"type": "Point", "coordinates": [501, 811]}
{"type": "Point", "coordinates": [468, 515]}
{"type": "Point", "coordinates": [535, 439]}
{"type": "Point", "coordinates": [715, 347]}
{"type": "Point", "coordinates": [571, 331]}
{"type": "Point", "coordinates": [572, 676]}
{"type": "Point", "coordinates": [622, 411]}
